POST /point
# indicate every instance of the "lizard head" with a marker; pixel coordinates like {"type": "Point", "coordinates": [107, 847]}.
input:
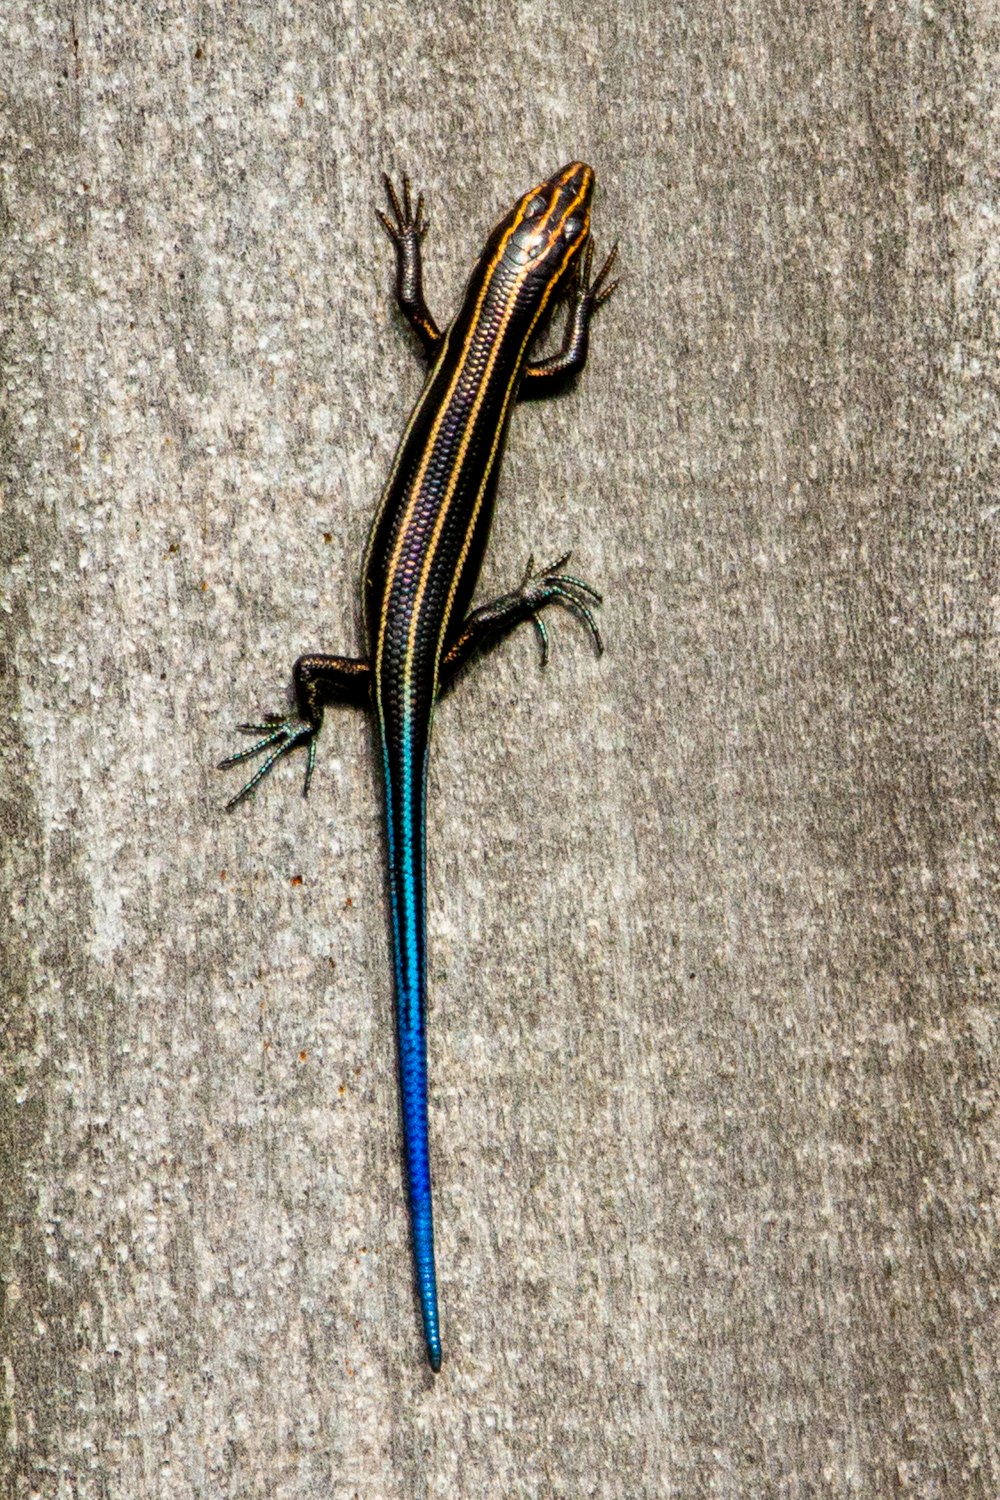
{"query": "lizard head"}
{"type": "Point", "coordinates": [543, 234]}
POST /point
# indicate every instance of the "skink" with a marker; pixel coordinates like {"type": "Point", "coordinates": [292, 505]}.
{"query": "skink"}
{"type": "Point", "coordinates": [421, 565]}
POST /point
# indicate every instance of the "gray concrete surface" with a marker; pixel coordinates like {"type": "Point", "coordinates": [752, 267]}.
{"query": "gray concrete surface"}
{"type": "Point", "coordinates": [713, 919]}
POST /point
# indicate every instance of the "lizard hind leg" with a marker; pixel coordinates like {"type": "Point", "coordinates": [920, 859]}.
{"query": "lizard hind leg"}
{"type": "Point", "coordinates": [280, 735]}
{"type": "Point", "coordinates": [319, 680]}
{"type": "Point", "coordinates": [550, 585]}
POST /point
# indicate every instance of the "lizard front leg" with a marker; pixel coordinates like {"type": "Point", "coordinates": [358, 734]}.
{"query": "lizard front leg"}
{"type": "Point", "coordinates": [406, 229]}
{"type": "Point", "coordinates": [544, 376]}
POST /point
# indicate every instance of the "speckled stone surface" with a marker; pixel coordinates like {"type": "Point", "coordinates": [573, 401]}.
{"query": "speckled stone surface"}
{"type": "Point", "coordinates": [713, 920]}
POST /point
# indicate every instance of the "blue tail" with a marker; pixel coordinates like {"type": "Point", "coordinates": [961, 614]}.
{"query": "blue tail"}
{"type": "Point", "coordinates": [413, 1088]}
{"type": "Point", "coordinates": [405, 793]}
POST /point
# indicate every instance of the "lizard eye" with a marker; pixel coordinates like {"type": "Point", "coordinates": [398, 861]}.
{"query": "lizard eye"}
{"type": "Point", "coordinates": [572, 227]}
{"type": "Point", "coordinates": [535, 207]}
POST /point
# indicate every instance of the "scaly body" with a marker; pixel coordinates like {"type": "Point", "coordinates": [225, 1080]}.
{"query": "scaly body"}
{"type": "Point", "coordinates": [421, 566]}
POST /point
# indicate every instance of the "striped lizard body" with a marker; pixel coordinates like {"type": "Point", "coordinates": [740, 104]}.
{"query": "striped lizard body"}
{"type": "Point", "coordinates": [421, 566]}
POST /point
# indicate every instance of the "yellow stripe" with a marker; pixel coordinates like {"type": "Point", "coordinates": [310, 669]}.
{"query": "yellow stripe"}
{"type": "Point", "coordinates": [387, 487]}
{"type": "Point", "coordinates": [416, 488]}
{"type": "Point", "coordinates": [457, 467]}
{"type": "Point", "coordinates": [460, 364]}
{"type": "Point", "coordinates": [446, 403]}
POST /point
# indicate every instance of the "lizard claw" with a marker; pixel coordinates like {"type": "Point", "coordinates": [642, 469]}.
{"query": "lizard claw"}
{"type": "Point", "coordinates": [280, 734]}
{"type": "Point", "coordinates": [405, 224]}
{"type": "Point", "coordinates": [593, 293]}
{"type": "Point", "coordinates": [551, 585]}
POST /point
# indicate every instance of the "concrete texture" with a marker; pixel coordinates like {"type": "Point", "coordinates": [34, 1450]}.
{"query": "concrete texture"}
{"type": "Point", "coordinates": [714, 920]}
